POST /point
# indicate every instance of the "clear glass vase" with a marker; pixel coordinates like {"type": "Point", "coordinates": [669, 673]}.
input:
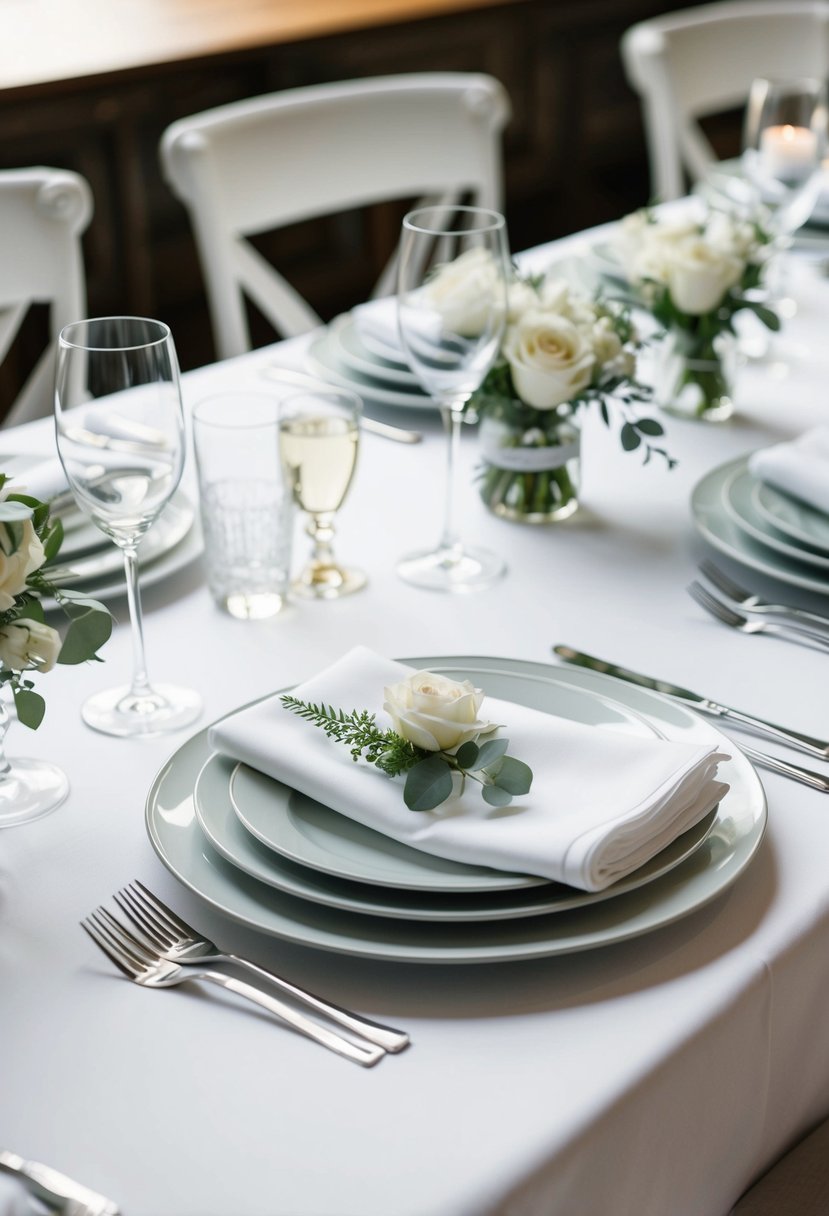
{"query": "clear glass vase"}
{"type": "Point", "coordinates": [531, 462]}
{"type": "Point", "coordinates": [694, 376]}
{"type": "Point", "coordinates": [28, 788]}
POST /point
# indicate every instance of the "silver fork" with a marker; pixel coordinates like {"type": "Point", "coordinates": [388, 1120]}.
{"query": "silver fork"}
{"type": "Point", "coordinates": [729, 616]}
{"type": "Point", "coordinates": [144, 967]}
{"type": "Point", "coordinates": [749, 602]}
{"type": "Point", "coordinates": [175, 940]}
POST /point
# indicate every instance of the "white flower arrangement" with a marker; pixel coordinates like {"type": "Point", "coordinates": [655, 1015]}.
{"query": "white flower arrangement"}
{"type": "Point", "coordinates": [694, 274]}
{"type": "Point", "coordinates": [562, 349]}
{"type": "Point", "coordinates": [29, 540]}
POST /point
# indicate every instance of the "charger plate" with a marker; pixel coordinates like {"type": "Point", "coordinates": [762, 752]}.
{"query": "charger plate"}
{"type": "Point", "coordinates": [226, 834]}
{"type": "Point", "coordinates": [739, 503]}
{"type": "Point", "coordinates": [723, 856]}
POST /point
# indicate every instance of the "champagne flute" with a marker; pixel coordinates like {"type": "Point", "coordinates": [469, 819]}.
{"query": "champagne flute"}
{"type": "Point", "coordinates": [319, 434]}
{"type": "Point", "coordinates": [120, 437]}
{"type": "Point", "coordinates": [784, 144]}
{"type": "Point", "coordinates": [451, 310]}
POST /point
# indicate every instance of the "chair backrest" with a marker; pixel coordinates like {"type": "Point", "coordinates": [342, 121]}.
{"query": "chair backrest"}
{"type": "Point", "coordinates": [701, 61]}
{"type": "Point", "coordinates": [42, 215]}
{"type": "Point", "coordinates": [254, 166]}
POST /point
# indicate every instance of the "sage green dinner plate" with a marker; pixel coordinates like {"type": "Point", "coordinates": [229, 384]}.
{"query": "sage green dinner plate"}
{"type": "Point", "coordinates": [805, 525]}
{"type": "Point", "coordinates": [738, 493]}
{"type": "Point", "coordinates": [719, 861]}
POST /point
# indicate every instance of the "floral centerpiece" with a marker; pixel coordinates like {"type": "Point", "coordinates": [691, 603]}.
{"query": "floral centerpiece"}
{"type": "Point", "coordinates": [29, 540]}
{"type": "Point", "coordinates": [562, 350]}
{"type": "Point", "coordinates": [694, 274]}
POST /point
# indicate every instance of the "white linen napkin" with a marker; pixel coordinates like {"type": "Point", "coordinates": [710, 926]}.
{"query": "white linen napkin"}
{"type": "Point", "coordinates": [799, 467]}
{"type": "Point", "coordinates": [378, 319]}
{"type": "Point", "coordinates": [601, 803]}
{"type": "Point", "coordinates": [43, 479]}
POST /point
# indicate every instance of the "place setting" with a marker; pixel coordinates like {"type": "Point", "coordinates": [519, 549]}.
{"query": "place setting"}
{"type": "Point", "coordinates": [769, 511]}
{"type": "Point", "coordinates": [280, 830]}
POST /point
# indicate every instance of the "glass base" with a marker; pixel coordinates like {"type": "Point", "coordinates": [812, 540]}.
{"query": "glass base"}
{"type": "Point", "coordinates": [165, 709]}
{"type": "Point", "coordinates": [321, 581]}
{"type": "Point", "coordinates": [253, 606]}
{"type": "Point", "coordinates": [30, 789]}
{"type": "Point", "coordinates": [455, 569]}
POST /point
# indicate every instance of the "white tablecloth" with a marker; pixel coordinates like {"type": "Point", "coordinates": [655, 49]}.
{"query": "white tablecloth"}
{"type": "Point", "coordinates": [651, 1077]}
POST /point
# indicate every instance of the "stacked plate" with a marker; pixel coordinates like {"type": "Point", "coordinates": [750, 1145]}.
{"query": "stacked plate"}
{"type": "Point", "coordinates": [277, 861]}
{"type": "Point", "coordinates": [368, 360]}
{"type": "Point", "coordinates": [762, 528]}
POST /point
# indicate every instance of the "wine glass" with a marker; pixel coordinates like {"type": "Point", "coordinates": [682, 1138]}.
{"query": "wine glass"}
{"type": "Point", "coordinates": [120, 437]}
{"type": "Point", "coordinates": [451, 311]}
{"type": "Point", "coordinates": [784, 144]}
{"type": "Point", "coordinates": [319, 432]}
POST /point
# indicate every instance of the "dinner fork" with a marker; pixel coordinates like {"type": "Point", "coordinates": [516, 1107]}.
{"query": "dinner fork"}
{"type": "Point", "coordinates": [749, 602]}
{"type": "Point", "coordinates": [143, 967]}
{"type": "Point", "coordinates": [729, 616]}
{"type": "Point", "coordinates": [175, 940]}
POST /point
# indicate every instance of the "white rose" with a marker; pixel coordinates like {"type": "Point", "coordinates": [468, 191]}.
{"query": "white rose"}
{"type": "Point", "coordinates": [28, 644]}
{"type": "Point", "coordinates": [699, 275]}
{"type": "Point", "coordinates": [461, 292]}
{"type": "Point", "coordinates": [550, 359]}
{"type": "Point", "coordinates": [15, 567]}
{"type": "Point", "coordinates": [434, 712]}
{"type": "Point", "coordinates": [521, 298]}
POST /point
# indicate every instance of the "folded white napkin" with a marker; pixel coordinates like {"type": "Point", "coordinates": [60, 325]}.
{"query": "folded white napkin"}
{"type": "Point", "coordinates": [601, 804]}
{"type": "Point", "coordinates": [799, 467]}
{"type": "Point", "coordinates": [378, 319]}
{"type": "Point", "coordinates": [43, 479]}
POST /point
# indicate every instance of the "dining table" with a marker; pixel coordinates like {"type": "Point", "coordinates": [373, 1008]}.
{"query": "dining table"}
{"type": "Point", "coordinates": [651, 1072]}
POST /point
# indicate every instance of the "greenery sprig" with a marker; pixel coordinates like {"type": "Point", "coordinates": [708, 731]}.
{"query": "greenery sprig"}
{"type": "Point", "coordinates": [429, 775]}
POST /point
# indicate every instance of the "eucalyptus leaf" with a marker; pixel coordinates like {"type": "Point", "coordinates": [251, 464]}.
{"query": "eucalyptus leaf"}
{"type": "Point", "coordinates": [428, 784]}
{"type": "Point", "coordinates": [630, 437]}
{"type": "Point", "coordinates": [495, 795]}
{"type": "Point", "coordinates": [467, 755]}
{"type": "Point", "coordinates": [90, 628]}
{"type": "Point", "coordinates": [514, 776]}
{"type": "Point", "coordinates": [491, 751]}
{"type": "Point", "coordinates": [30, 707]}
{"type": "Point", "coordinates": [649, 426]}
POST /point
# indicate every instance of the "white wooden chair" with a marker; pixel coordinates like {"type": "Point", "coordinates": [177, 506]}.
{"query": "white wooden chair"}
{"type": "Point", "coordinates": [701, 61]}
{"type": "Point", "coordinates": [257, 165]}
{"type": "Point", "coordinates": [42, 215]}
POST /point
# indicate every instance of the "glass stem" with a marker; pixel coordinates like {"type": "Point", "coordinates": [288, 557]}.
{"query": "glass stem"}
{"type": "Point", "coordinates": [452, 421]}
{"type": "Point", "coordinates": [5, 721]}
{"type": "Point", "coordinates": [140, 686]}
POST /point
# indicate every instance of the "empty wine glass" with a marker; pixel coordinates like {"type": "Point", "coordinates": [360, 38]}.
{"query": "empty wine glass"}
{"type": "Point", "coordinates": [120, 437]}
{"type": "Point", "coordinates": [452, 307]}
{"type": "Point", "coordinates": [319, 433]}
{"type": "Point", "coordinates": [784, 144]}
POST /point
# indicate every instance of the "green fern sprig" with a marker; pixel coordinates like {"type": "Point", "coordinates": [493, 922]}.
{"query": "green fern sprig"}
{"type": "Point", "coordinates": [361, 734]}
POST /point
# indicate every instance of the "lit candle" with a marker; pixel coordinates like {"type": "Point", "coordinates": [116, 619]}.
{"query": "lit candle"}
{"type": "Point", "coordinates": [788, 153]}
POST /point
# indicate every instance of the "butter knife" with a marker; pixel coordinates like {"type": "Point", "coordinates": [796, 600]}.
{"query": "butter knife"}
{"type": "Point", "coordinates": [56, 1189]}
{"type": "Point", "coordinates": [805, 743]}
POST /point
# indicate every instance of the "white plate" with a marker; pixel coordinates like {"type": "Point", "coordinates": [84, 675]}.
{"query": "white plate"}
{"type": "Point", "coordinates": [323, 360]}
{"type": "Point", "coordinates": [353, 355]}
{"type": "Point", "coordinates": [714, 524]}
{"type": "Point", "coordinates": [738, 498]}
{"type": "Point", "coordinates": [738, 830]}
{"type": "Point", "coordinates": [805, 525]}
{"type": "Point", "coordinates": [227, 835]}
{"type": "Point", "coordinates": [310, 834]}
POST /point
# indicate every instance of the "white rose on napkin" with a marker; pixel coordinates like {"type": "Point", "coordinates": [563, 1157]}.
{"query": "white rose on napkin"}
{"type": "Point", "coordinates": [799, 468]}
{"type": "Point", "coordinates": [602, 803]}
{"type": "Point", "coordinates": [551, 360]}
{"type": "Point", "coordinates": [434, 712]}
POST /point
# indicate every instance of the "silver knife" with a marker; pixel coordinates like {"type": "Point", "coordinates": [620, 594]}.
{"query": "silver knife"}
{"type": "Point", "coordinates": [805, 743]}
{"type": "Point", "coordinates": [56, 1189]}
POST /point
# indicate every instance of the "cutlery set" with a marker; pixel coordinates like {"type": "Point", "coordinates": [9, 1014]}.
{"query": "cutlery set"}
{"type": "Point", "coordinates": [56, 1190]}
{"type": "Point", "coordinates": [751, 614]}
{"type": "Point", "coordinates": [154, 949]}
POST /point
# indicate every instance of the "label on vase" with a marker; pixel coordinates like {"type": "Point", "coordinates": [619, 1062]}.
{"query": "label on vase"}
{"type": "Point", "coordinates": [528, 458]}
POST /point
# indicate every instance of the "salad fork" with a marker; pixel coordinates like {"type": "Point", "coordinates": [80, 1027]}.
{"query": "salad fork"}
{"type": "Point", "coordinates": [173, 939]}
{"type": "Point", "coordinates": [729, 616]}
{"type": "Point", "coordinates": [749, 602]}
{"type": "Point", "coordinates": [143, 967]}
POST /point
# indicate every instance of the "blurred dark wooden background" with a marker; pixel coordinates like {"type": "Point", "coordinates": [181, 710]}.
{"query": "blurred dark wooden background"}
{"type": "Point", "coordinates": [91, 85]}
